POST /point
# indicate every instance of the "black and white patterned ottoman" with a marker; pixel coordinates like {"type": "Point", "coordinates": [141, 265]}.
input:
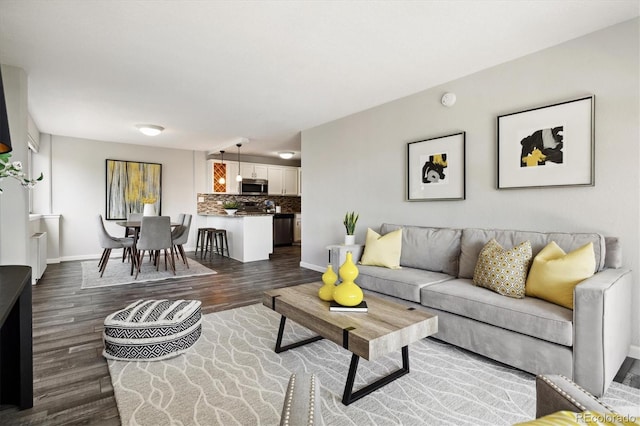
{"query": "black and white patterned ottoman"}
{"type": "Point", "coordinates": [151, 330]}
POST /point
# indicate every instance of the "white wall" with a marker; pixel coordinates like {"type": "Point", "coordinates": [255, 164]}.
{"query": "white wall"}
{"type": "Point", "coordinates": [359, 162]}
{"type": "Point", "coordinates": [78, 179]}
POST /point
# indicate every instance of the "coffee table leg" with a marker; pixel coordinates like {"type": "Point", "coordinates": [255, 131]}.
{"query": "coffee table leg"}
{"type": "Point", "coordinates": [350, 396]}
{"type": "Point", "coordinates": [280, 348]}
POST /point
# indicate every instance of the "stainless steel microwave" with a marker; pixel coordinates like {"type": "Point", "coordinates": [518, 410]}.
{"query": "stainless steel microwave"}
{"type": "Point", "coordinates": [254, 187]}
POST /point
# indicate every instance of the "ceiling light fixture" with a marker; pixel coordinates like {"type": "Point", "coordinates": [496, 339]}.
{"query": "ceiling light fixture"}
{"type": "Point", "coordinates": [150, 129]}
{"type": "Point", "coordinates": [239, 177]}
{"type": "Point", "coordinates": [286, 155]}
{"type": "Point", "coordinates": [222, 180]}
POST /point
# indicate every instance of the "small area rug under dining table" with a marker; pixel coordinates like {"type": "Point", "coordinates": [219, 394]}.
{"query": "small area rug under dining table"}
{"type": "Point", "coordinates": [232, 376]}
{"type": "Point", "coordinates": [119, 273]}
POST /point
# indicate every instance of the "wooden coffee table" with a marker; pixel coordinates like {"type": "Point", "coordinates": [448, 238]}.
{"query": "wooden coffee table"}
{"type": "Point", "coordinates": [386, 327]}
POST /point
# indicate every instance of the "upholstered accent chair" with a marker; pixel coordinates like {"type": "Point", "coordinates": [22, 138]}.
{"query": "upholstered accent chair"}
{"type": "Point", "coordinates": [155, 237]}
{"type": "Point", "coordinates": [108, 243]}
{"type": "Point", "coordinates": [180, 236]}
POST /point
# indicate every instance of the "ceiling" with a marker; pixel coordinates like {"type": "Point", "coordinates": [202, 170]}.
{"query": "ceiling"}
{"type": "Point", "coordinates": [217, 72]}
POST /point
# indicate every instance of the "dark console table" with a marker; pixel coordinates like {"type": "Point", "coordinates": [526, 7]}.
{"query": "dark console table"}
{"type": "Point", "coordinates": [16, 350]}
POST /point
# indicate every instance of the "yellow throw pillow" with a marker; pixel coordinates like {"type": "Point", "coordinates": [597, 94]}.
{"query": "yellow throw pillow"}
{"type": "Point", "coordinates": [554, 273]}
{"type": "Point", "coordinates": [382, 250]}
{"type": "Point", "coordinates": [503, 271]}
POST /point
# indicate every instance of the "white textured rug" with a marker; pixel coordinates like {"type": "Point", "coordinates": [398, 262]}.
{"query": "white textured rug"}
{"type": "Point", "coordinates": [119, 273]}
{"type": "Point", "coordinates": [232, 376]}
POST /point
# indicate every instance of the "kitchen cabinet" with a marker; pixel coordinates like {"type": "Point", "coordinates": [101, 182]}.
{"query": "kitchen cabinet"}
{"type": "Point", "coordinates": [250, 237]}
{"type": "Point", "coordinates": [232, 172]}
{"type": "Point", "coordinates": [232, 183]}
{"type": "Point", "coordinates": [283, 180]}
{"type": "Point", "coordinates": [253, 171]}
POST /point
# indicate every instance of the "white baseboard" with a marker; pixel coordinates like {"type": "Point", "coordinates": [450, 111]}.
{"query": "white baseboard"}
{"type": "Point", "coordinates": [634, 352]}
{"type": "Point", "coordinates": [312, 267]}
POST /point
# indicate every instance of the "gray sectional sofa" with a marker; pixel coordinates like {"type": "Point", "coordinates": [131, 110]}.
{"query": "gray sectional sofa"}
{"type": "Point", "coordinates": [587, 344]}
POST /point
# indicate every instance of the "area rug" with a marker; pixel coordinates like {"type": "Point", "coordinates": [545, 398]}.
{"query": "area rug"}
{"type": "Point", "coordinates": [119, 273]}
{"type": "Point", "coordinates": [232, 376]}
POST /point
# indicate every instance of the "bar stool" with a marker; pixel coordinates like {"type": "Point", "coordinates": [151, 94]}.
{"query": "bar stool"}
{"type": "Point", "coordinates": [221, 235]}
{"type": "Point", "coordinates": [201, 240]}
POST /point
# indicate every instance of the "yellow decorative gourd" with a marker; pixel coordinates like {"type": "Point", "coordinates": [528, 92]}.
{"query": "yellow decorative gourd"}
{"type": "Point", "coordinates": [329, 279]}
{"type": "Point", "coordinates": [348, 293]}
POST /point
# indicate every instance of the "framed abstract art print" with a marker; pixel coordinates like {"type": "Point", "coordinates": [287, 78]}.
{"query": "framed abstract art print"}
{"type": "Point", "coordinates": [436, 168]}
{"type": "Point", "coordinates": [547, 146]}
{"type": "Point", "coordinates": [130, 185]}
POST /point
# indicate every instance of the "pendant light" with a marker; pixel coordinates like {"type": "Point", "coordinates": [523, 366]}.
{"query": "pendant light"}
{"type": "Point", "coordinates": [239, 177]}
{"type": "Point", "coordinates": [222, 180]}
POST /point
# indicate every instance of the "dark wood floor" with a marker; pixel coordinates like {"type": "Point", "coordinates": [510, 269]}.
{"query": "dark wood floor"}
{"type": "Point", "coordinates": [71, 379]}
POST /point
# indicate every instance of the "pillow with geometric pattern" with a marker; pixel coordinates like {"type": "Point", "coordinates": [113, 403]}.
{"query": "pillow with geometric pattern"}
{"type": "Point", "coordinates": [503, 271]}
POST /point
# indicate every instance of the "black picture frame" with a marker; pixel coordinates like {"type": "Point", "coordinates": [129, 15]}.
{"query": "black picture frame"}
{"type": "Point", "coordinates": [436, 168]}
{"type": "Point", "coordinates": [130, 185]}
{"type": "Point", "coordinates": [548, 146]}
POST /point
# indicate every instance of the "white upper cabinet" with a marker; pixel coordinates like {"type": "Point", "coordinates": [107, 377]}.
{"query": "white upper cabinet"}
{"type": "Point", "coordinates": [275, 180]}
{"type": "Point", "coordinates": [283, 180]}
{"type": "Point", "coordinates": [253, 171]}
{"type": "Point", "coordinates": [290, 181]}
{"type": "Point", "coordinates": [231, 183]}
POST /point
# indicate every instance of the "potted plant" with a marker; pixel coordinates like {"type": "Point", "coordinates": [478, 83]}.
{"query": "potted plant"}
{"type": "Point", "coordinates": [349, 222]}
{"type": "Point", "coordinates": [231, 207]}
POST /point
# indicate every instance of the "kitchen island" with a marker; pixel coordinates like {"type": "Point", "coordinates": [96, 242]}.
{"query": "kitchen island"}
{"type": "Point", "coordinates": [250, 236]}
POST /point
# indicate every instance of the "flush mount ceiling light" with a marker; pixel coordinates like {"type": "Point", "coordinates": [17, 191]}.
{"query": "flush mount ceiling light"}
{"type": "Point", "coordinates": [150, 129]}
{"type": "Point", "coordinates": [286, 155]}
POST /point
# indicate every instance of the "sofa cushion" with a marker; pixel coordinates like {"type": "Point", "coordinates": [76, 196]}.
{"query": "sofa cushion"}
{"type": "Point", "coordinates": [403, 283]}
{"type": "Point", "coordinates": [382, 250]}
{"type": "Point", "coordinates": [503, 270]}
{"type": "Point", "coordinates": [554, 273]}
{"type": "Point", "coordinates": [433, 249]}
{"type": "Point", "coordinates": [529, 316]}
{"type": "Point", "coordinates": [474, 239]}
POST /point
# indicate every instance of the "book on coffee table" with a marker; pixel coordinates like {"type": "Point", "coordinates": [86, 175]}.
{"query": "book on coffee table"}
{"type": "Point", "coordinates": [336, 307]}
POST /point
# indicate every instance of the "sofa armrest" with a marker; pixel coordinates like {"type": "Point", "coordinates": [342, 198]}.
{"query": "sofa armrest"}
{"type": "Point", "coordinates": [301, 406]}
{"type": "Point", "coordinates": [558, 393]}
{"type": "Point", "coordinates": [602, 328]}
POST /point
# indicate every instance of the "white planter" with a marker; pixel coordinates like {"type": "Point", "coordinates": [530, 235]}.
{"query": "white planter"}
{"type": "Point", "coordinates": [349, 240]}
{"type": "Point", "coordinates": [231, 212]}
{"type": "Point", "coordinates": [149, 210]}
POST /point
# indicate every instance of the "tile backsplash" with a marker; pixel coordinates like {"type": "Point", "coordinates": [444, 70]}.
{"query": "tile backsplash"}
{"type": "Point", "coordinates": [210, 204]}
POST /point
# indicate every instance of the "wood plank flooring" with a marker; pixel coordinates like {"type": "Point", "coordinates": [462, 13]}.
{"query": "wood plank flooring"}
{"type": "Point", "coordinates": [71, 379]}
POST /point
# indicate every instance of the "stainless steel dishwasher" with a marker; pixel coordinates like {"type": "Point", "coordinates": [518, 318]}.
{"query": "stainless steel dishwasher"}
{"type": "Point", "coordinates": [283, 229]}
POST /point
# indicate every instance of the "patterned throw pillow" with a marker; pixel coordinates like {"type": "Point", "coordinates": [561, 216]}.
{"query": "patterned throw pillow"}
{"type": "Point", "coordinates": [503, 271]}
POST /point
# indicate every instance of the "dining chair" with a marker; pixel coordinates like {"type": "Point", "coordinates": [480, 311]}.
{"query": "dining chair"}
{"type": "Point", "coordinates": [155, 236]}
{"type": "Point", "coordinates": [108, 243]}
{"type": "Point", "coordinates": [130, 231]}
{"type": "Point", "coordinates": [180, 235]}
